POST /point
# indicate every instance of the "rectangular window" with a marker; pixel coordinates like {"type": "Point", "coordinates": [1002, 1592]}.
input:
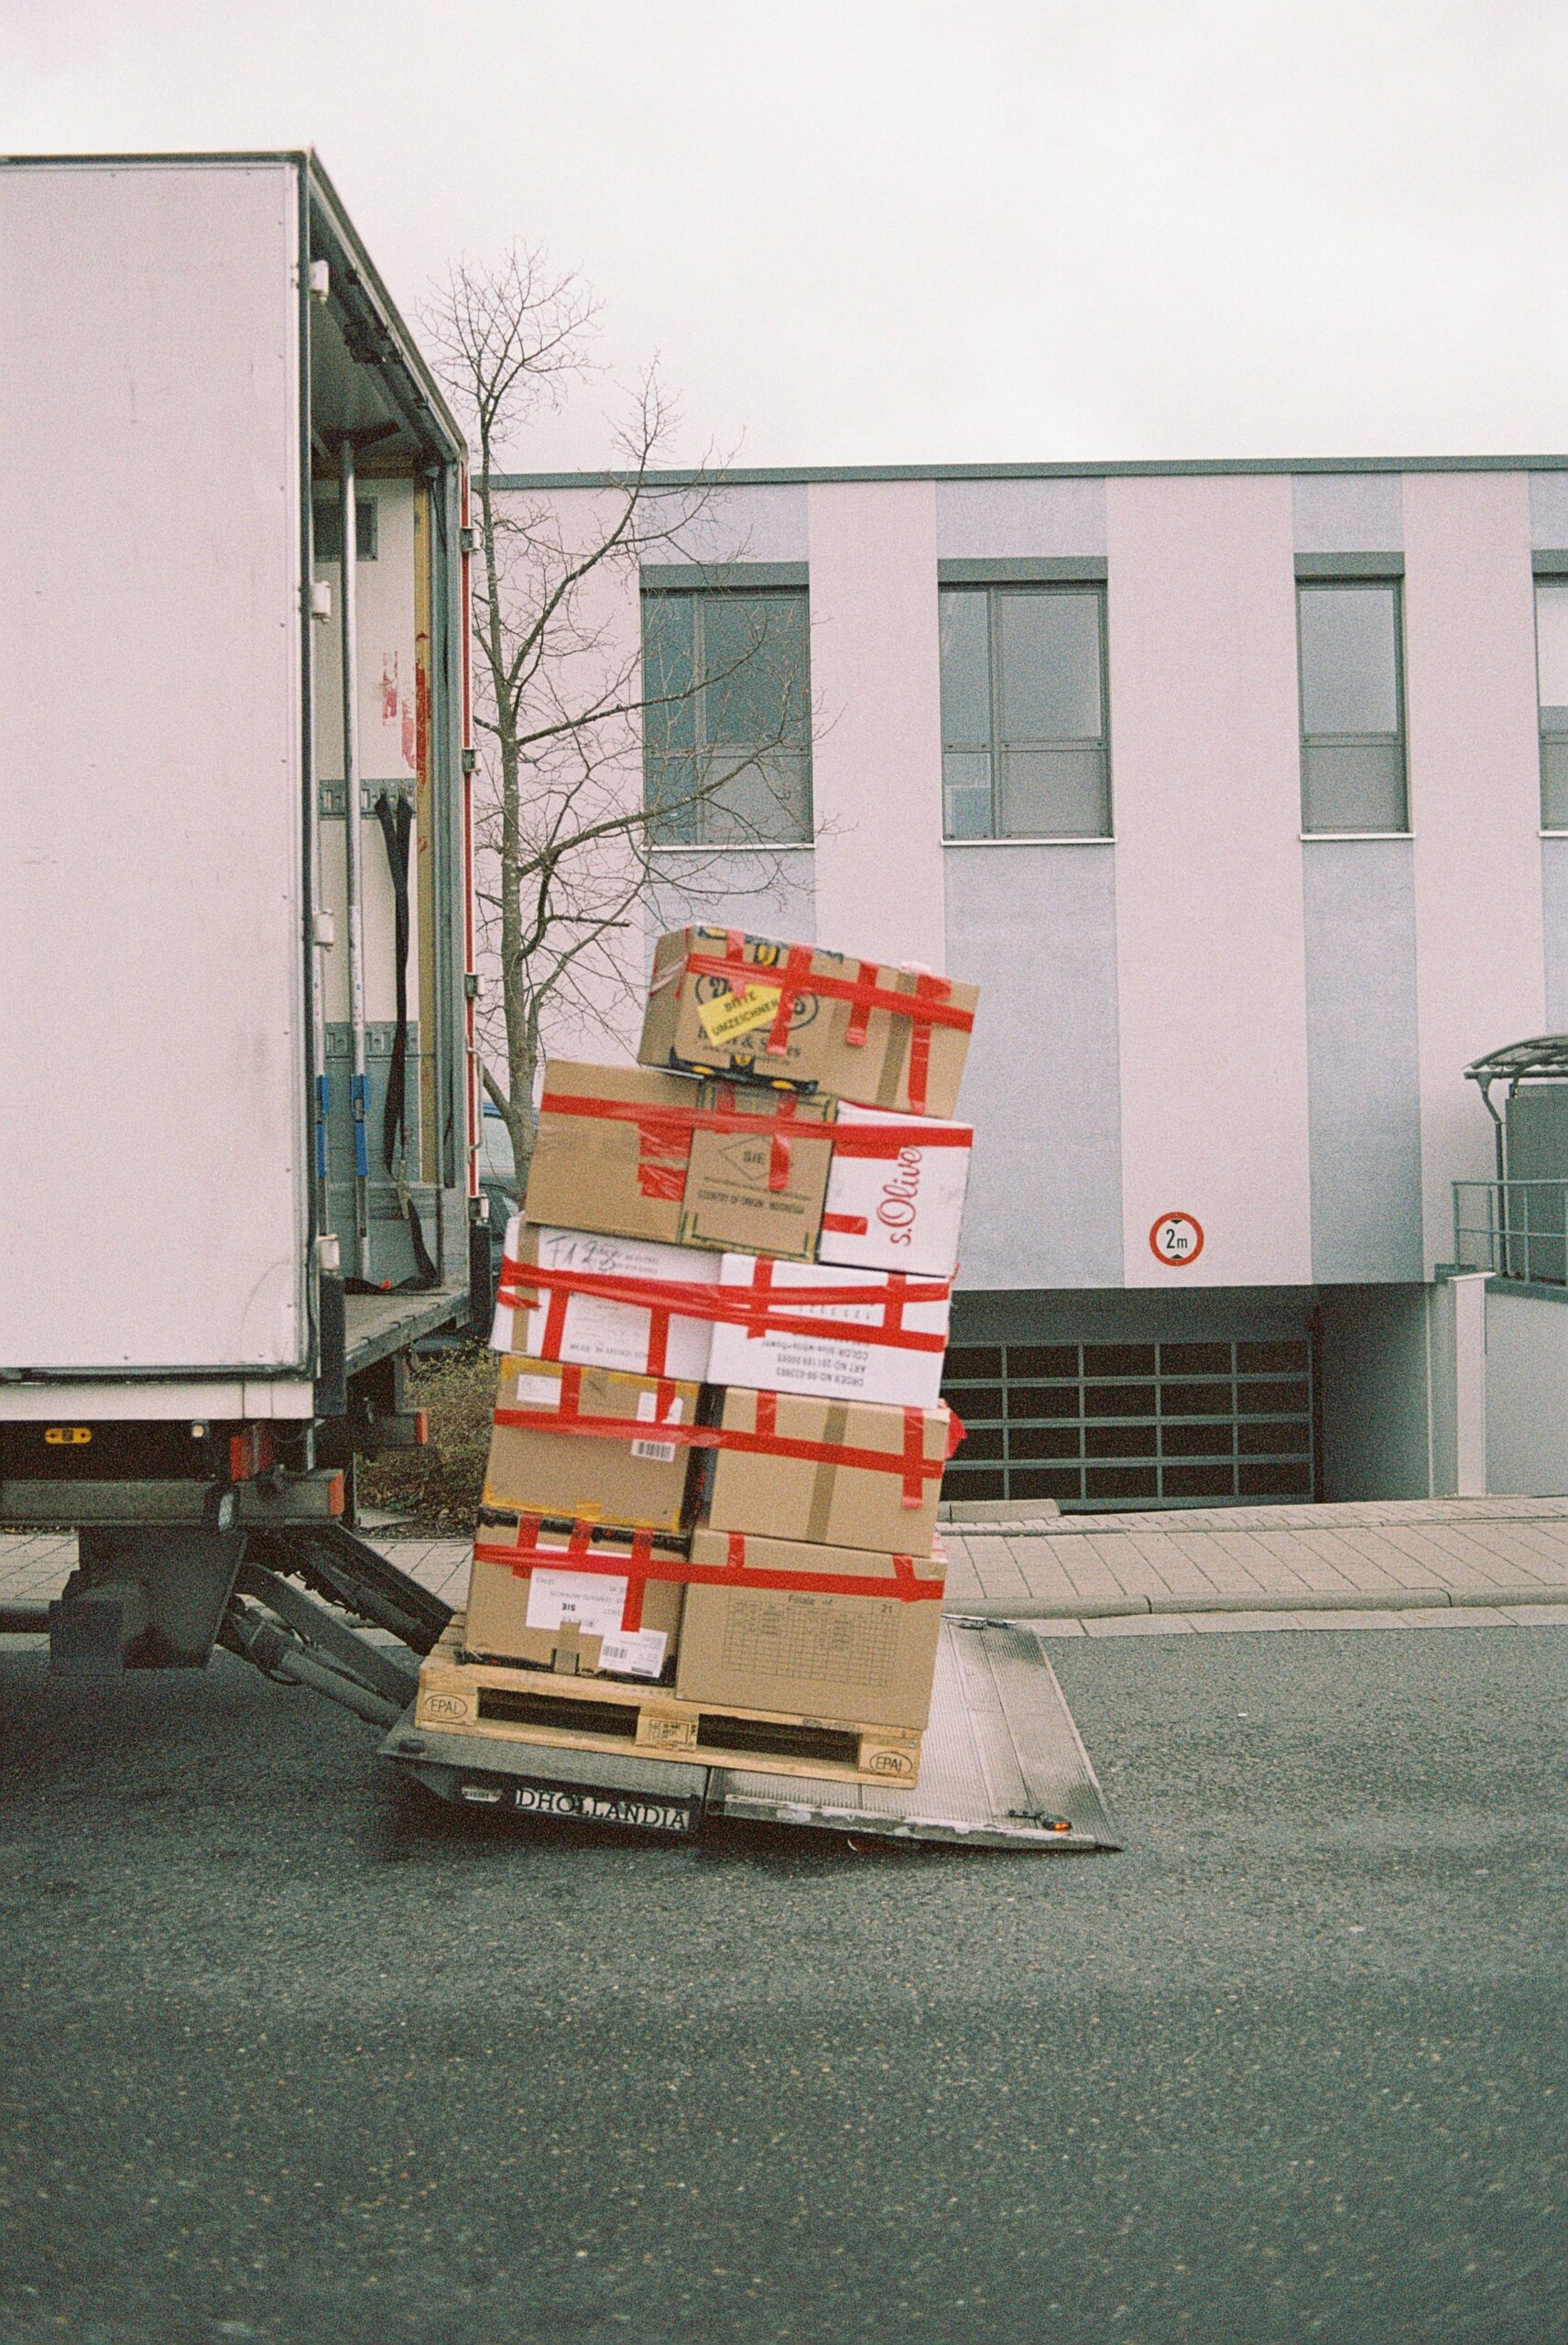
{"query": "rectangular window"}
{"type": "Point", "coordinates": [726, 729]}
{"type": "Point", "coordinates": [1353, 737]}
{"type": "Point", "coordinates": [1023, 713]}
{"type": "Point", "coordinates": [1551, 670]}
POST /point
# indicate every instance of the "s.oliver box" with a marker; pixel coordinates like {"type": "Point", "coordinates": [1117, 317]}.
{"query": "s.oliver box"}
{"type": "Point", "coordinates": [900, 1211]}
{"type": "Point", "coordinates": [746, 1169]}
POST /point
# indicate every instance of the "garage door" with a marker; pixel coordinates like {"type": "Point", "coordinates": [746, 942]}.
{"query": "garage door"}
{"type": "Point", "coordinates": [1132, 1425]}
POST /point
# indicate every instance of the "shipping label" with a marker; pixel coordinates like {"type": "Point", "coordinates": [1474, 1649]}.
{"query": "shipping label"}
{"type": "Point", "coordinates": [728, 1016]}
{"type": "Point", "coordinates": [658, 1452]}
{"type": "Point", "coordinates": [585, 1600]}
{"type": "Point", "coordinates": [595, 1605]}
{"type": "Point", "coordinates": [639, 1653]}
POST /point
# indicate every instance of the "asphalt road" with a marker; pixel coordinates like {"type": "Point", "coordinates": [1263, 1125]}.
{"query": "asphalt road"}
{"type": "Point", "coordinates": [281, 2064]}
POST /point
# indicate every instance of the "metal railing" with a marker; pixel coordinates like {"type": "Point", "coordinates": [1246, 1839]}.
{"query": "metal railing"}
{"type": "Point", "coordinates": [1514, 1229]}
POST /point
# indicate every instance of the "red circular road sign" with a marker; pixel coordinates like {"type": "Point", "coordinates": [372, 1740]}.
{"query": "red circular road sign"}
{"type": "Point", "coordinates": [1176, 1239]}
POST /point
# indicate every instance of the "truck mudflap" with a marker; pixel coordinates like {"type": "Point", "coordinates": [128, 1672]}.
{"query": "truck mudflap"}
{"type": "Point", "coordinates": [1003, 1767]}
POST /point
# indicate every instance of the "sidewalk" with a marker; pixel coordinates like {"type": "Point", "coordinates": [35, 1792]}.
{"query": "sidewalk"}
{"type": "Point", "coordinates": [1275, 1567]}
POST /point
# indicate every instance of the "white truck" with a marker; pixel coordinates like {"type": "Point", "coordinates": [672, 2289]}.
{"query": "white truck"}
{"type": "Point", "coordinates": [238, 1101]}
{"type": "Point", "coordinates": [238, 1110]}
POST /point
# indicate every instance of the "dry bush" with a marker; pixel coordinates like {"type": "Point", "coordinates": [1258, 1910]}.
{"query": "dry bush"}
{"type": "Point", "coordinates": [438, 1487]}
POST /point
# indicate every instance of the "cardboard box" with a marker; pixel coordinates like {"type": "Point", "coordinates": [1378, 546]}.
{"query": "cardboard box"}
{"type": "Point", "coordinates": [902, 1212]}
{"type": "Point", "coordinates": [758, 1191]}
{"type": "Point", "coordinates": [896, 1373]}
{"type": "Point", "coordinates": [566, 1619]}
{"type": "Point", "coordinates": [606, 1171]}
{"type": "Point", "coordinates": [837, 1500]}
{"type": "Point", "coordinates": [856, 1660]}
{"type": "Point", "coordinates": [540, 1468]}
{"type": "Point", "coordinates": [713, 1001]}
{"type": "Point", "coordinates": [589, 1330]}
{"type": "Point", "coordinates": [626, 1152]}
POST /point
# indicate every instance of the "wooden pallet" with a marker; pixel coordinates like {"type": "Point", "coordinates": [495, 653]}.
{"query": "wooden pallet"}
{"type": "Point", "coordinates": [517, 1705]}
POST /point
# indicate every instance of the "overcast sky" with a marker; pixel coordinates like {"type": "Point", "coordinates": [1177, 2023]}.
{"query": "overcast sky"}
{"type": "Point", "coordinates": [890, 232]}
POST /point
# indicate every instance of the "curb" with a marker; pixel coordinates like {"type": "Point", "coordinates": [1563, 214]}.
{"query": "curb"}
{"type": "Point", "coordinates": [1393, 1599]}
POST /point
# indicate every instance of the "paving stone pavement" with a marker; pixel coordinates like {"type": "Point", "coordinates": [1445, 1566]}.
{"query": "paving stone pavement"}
{"type": "Point", "coordinates": [1392, 1556]}
{"type": "Point", "coordinates": [1409, 1562]}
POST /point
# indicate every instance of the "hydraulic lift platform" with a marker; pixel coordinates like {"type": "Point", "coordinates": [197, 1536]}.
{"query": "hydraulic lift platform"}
{"type": "Point", "coordinates": [1003, 1767]}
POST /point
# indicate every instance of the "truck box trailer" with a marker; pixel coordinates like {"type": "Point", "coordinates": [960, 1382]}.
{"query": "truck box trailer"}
{"type": "Point", "coordinates": [238, 1110]}
{"type": "Point", "coordinates": [237, 1143]}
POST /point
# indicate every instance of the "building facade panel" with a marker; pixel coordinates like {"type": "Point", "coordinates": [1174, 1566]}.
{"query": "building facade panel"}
{"type": "Point", "coordinates": [1475, 765]}
{"type": "Point", "coordinates": [877, 766]}
{"type": "Point", "coordinates": [769, 895]}
{"type": "Point", "coordinates": [760, 522]}
{"type": "Point", "coordinates": [1035, 927]}
{"type": "Point", "coordinates": [1554, 920]}
{"type": "Point", "coordinates": [1549, 511]}
{"type": "Point", "coordinates": [1247, 994]}
{"type": "Point", "coordinates": [1210, 961]}
{"type": "Point", "coordinates": [1362, 1059]}
{"type": "Point", "coordinates": [1347, 512]}
{"type": "Point", "coordinates": [992, 520]}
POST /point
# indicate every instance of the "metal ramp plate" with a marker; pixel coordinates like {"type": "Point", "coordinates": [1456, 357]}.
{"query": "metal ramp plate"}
{"type": "Point", "coordinates": [1003, 1766]}
{"type": "Point", "coordinates": [576, 1787]}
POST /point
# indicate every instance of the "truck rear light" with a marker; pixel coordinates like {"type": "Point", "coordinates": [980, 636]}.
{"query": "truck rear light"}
{"type": "Point", "coordinates": [251, 1452]}
{"type": "Point", "coordinates": [335, 1495]}
{"type": "Point", "coordinates": [421, 1427]}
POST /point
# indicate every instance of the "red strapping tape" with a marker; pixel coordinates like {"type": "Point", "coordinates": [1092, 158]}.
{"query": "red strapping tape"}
{"type": "Point", "coordinates": [797, 964]}
{"type": "Point", "coordinates": [756, 1307]}
{"type": "Point", "coordinates": [881, 1143]}
{"type": "Point", "coordinates": [642, 1565]}
{"type": "Point", "coordinates": [910, 1462]}
{"type": "Point", "coordinates": [859, 1022]}
{"type": "Point", "coordinates": [927, 1005]}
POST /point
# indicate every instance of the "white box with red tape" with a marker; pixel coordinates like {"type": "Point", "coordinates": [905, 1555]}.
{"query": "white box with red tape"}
{"type": "Point", "coordinates": [808, 1327]}
{"type": "Point", "coordinates": [899, 1205]}
{"type": "Point", "coordinates": [566, 1295]}
{"type": "Point", "coordinates": [838, 1333]}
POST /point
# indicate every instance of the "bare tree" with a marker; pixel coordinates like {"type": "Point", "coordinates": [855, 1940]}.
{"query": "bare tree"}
{"type": "Point", "coordinates": [568, 835]}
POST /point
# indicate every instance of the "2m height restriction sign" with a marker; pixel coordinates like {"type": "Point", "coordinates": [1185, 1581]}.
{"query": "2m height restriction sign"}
{"type": "Point", "coordinates": [1176, 1239]}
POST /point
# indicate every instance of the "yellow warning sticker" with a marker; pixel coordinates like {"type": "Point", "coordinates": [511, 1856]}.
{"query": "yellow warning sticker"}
{"type": "Point", "coordinates": [728, 1016]}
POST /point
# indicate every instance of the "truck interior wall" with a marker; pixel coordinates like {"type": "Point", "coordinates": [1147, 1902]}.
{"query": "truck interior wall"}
{"type": "Point", "coordinates": [153, 1156]}
{"type": "Point", "coordinates": [393, 737]}
{"type": "Point", "coordinates": [387, 738]}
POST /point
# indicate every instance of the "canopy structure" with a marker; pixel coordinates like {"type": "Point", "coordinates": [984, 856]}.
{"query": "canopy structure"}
{"type": "Point", "coordinates": [1542, 1058]}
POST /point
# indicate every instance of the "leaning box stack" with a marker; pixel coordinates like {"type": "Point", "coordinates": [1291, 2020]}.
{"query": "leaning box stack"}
{"type": "Point", "coordinates": [708, 1529]}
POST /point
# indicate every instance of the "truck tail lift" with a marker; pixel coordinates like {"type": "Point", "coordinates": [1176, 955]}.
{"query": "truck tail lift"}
{"type": "Point", "coordinates": [1004, 1765]}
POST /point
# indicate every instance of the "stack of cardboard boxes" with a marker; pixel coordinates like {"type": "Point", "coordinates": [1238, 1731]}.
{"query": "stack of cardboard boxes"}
{"type": "Point", "coordinates": [719, 1440]}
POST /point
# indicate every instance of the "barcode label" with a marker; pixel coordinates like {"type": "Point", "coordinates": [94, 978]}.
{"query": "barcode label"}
{"type": "Point", "coordinates": [658, 1452]}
